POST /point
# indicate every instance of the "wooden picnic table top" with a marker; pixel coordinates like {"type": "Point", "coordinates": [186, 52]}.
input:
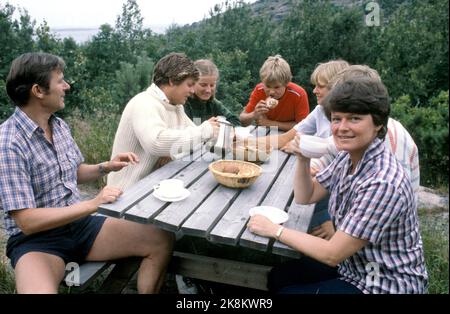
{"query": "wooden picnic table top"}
{"type": "Point", "coordinates": [215, 212]}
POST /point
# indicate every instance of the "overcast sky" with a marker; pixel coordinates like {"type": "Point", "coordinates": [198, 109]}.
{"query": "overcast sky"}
{"type": "Point", "coordinates": [93, 13]}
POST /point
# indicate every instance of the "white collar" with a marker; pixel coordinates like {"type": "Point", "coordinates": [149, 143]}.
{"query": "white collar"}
{"type": "Point", "coordinates": [159, 93]}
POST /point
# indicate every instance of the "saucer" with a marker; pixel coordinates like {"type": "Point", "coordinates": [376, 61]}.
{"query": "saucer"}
{"type": "Point", "coordinates": [163, 198]}
{"type": "Point", "coordinates": [276, 215]}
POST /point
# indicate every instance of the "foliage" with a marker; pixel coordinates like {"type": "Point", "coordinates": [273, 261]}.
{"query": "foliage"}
{"type": "Point", "coordinates": [409, 50]}
{"type": "Point", "coordinates": [94, 134]}
{"type": "Point", "coordinates": [431, 137]}
{"type": "Point", "coordinates": [132, 79]}
{"type": "Point", "coordinates": [414, 56]}
{"type": "Point", "coordinates": [233, 87]}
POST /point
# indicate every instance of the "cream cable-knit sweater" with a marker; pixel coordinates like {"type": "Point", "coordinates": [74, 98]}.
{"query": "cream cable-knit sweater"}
{"type": "Point", "coordinates": [152, 128]}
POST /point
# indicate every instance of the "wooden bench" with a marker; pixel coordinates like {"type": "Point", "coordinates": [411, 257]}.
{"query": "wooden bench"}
{"type": "Point", "coordinates": [219, 270]}
{"type": "Point", "coordinates": [82, 276]}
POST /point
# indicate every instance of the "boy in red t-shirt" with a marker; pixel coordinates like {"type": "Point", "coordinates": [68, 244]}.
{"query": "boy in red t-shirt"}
{"type": "Point", "coordinates": [276, 101]}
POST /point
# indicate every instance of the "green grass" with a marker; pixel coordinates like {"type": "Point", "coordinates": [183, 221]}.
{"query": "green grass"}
{"type": "Point", "coordinates": [435, 236]}
{"type": "Point", "coordinates": [7, 282]}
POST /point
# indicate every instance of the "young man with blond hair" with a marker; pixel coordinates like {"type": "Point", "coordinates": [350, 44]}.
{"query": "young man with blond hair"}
{"type": "Point", "coordinates": [276, 101]}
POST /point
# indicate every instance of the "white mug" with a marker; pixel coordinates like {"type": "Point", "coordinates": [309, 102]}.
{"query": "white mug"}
{"type": "Point", "coordinates": [171, 188]}
{"type": "Point", "coordinates": [315, 147]}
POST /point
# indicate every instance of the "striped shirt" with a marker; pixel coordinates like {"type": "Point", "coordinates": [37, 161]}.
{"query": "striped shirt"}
{"type": "Point", "coordinates": [35, 173]}
{"type": "Point", "coordinates": [377, 204]}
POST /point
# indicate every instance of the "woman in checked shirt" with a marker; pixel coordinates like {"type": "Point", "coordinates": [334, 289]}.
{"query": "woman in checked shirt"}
{"type": "Point", "coordinates": [377, 246]}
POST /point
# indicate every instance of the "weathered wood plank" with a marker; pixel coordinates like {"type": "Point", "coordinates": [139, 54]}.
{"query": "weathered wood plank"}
{"type": "Point", "coordinates": [220, 270]}
{"type": "Point", "coordinates": [233, 223]}
{"type": "Point", "coordinates": [85, 274]}
{"type": "Point", "coordinates": [299, 219]}
{"type": "Point", "coordinates": [141, 189]}
{"type": "Point", "coordinates": [150, 206]}
{"type": "Point", "coordinates": [279, 196]}
{"type": "Point", "coordinates": [173, 216]}
{"type": "Point", "coordinates": [211, 210]}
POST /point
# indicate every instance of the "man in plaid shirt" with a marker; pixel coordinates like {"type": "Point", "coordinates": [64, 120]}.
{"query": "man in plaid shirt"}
{"type": "Point", "coordinates": [40, 166]}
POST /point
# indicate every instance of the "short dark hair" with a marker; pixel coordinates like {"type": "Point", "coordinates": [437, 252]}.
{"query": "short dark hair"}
{"type": "Point", "coordinates": [175, 67]}
{"type": "Point", "coordinates": [360, 96]}
{"type": "Point", "coordinates": [29, 69]}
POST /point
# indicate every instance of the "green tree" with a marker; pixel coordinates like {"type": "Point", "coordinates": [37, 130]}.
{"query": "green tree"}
{"type": "Point", "coordinates": [47, 41]}
{"type": "Point", "coordinates": [233, 89]}
{"type": "Point", "coordinates": [132, 79]}
{"type": "Point", "coordinates": [16, 37]}
{"type": "Point", "coordinates": [428, 126]}
{"type": "Point", "coordinates": [414, 56]}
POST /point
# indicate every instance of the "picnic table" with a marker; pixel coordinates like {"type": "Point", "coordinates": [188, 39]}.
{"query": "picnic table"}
{"type": "Point", "coordinates": [214, 243]}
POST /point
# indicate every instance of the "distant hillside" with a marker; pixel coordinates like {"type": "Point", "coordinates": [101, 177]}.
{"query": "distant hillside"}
{"type": "Point", "coordinates": [278, 9]}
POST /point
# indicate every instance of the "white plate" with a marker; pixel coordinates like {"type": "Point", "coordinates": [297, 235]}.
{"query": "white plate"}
{"type": "Point", "coordinates": [163, 198]}
{"type": "Point", "coordinates": [276, 215]}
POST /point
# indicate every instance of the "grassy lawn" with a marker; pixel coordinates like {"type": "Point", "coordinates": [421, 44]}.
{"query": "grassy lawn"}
{"type": "Point", "coordinates": [435, 230]}
{"type": "Point", "coordinates": [435, 235]}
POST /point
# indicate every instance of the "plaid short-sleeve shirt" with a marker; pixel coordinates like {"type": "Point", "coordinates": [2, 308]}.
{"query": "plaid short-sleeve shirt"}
{"type": "Point", "coordinates": [376, 203]}
{"type": "Point", "coordinates": [35, 173]}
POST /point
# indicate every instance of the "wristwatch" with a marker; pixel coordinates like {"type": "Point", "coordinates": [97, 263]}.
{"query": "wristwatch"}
{"type": "Point", "coordinates": [102, 170]}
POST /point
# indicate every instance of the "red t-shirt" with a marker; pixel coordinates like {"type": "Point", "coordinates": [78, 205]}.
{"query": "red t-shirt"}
{"type": "Point", "coordinates": [292, 106]}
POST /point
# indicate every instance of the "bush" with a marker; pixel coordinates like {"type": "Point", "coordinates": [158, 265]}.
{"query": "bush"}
{"type": "Point", "coordinates": [132, 79]}
{"type": "Point", "coordinates": [6, 105]}
{"type": "Point", "coordinates": [94, 134]}
{"type": "Point", "coordinates": [429, 128]}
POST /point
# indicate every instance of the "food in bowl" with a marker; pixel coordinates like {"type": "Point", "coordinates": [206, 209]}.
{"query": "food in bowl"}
{"type": "Point", "coordinates": [230, 169]}
{"type": "Point", "coordinates": [246, 175]}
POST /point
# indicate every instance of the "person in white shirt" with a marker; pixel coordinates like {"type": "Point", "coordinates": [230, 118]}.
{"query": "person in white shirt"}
{"type": "Point", "coordinates": [317, 124]}
{"type": "Point", "coordinates": [154, 125]}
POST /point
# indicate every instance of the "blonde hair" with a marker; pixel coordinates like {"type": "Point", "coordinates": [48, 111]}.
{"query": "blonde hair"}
{"type": "Point", "coordinates": [352, 72]}
{"type": "Point", "coordinates": [206, 68]}
{"type": "Point", "coordinates": [275, 70]}
{"type": "Point", "coordinates": [325, 72]}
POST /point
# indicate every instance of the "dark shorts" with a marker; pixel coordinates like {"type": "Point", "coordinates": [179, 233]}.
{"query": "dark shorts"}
{"type": "Point", "coordinates": [308, 276]}
{"type": "Point", "coordinates": [71, 242]}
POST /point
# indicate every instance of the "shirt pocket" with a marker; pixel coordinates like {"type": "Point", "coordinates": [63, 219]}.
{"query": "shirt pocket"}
{"type": "Point", "coordinates": [69, 166]}
{"type": "Point", "coordinates": [45, 174]}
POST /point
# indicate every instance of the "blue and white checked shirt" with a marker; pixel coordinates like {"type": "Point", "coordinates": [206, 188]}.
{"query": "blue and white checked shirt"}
{"type": "Point", "coordinates": [377, 204]}
{"type": "Point", "coordinates": [33, 172]}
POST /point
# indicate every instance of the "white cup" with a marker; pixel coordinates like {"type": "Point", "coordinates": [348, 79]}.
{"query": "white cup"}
{"type": "Point", "coordinates": [171, 188]}
{"type": "Point", "coordinates": [315, 147]}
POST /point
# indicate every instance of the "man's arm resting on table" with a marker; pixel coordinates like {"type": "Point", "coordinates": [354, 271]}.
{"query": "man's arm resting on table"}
{"type": "Point", "coordinates": [33, 220]}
